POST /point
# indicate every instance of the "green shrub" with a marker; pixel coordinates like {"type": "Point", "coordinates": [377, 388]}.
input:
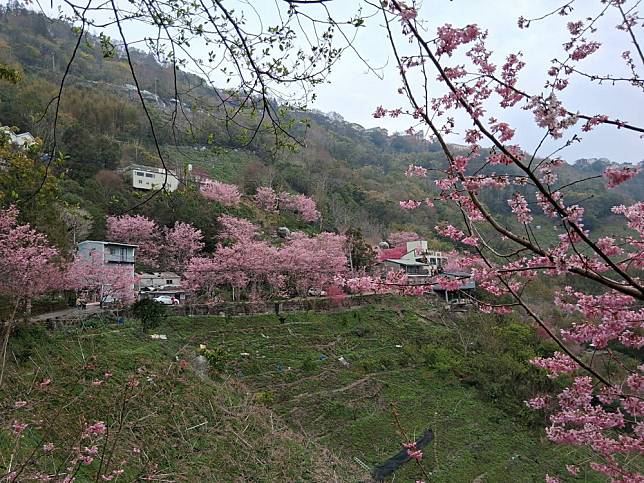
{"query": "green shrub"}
{"type": "Point", "coordinates": [308, 365]}
{"type": "Point", "coordinates": [369, 364]}
{"type": "Point", "coordinates": [440, 359]}
{"type": "Point", "coordinates": [216, 358]}
{"type": "Point", "coordinates": [149, 312]}
{"type": "Point", "coordinates": [265, 398]}
{"type": "Point", "coordinates": [501, 371]}
{"type": "Point", "coordinates": [25, 339]}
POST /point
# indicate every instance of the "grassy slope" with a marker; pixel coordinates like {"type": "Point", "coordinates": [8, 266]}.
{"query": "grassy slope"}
{"type": "Point", "coordinates": [225, 165]}
{"type": "Point", "coordinates": [279, 413]}
{"type": "Point", "coordinates": [350, 409]}
{"type": "Point", "coordinates": [188, 427]}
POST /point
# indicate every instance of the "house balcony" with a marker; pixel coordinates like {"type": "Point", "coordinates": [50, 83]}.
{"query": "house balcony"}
{"type": "Point", "coordinates": [119, 257]}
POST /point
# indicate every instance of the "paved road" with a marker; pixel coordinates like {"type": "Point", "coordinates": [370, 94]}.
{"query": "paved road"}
{"type": "Point", "coordinates": [91, 309]}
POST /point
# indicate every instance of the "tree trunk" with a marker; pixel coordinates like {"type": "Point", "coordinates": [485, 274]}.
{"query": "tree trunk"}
{"type": "Point", "coordinates": [7, 326]}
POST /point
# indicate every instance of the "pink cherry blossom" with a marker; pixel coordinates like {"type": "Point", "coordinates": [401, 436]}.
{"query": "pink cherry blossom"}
{"type": "Point", "coordinates": [594, 121]}
{"type": "Point", "coordinates": [18, 428]}
{"type": "Point", "coordinates": [537, 402]}
{"type": "Point", "coordinates": [237, 229]}
{"type": "Point", "coordinates": [616, 175]}
{"type": "Point", "coordinates": [520, 208]}
{"type": "Point", "coordinates": [584, 50]}
{"type": "Point", "coordinates": [226, 194]}
{"type": "Point", "coordinates": [27, 261]}
{"type": "Point", "coordinates": [410, 204]}
{"type": "Point", "coordinates": [137, 230]}
{"type": "Point", "coordinates": [266, 198]}
{"type": "Point", "coordinates": [302, 205]}
{"type": "Point", "coordinates": [94, 430]}
{"type": "Point", "coordinates": [450, 231]}
{"type": "Point", "coordinates": [557, 364]}
{"type": "Point", "coordinates": [449, 38]}
{"type": "Point", "coordinates": [379, 112]}
{"type": "Point", "coordinates": [180, 243]}
{"type": "Point", "coordinates": [400, 238]}
{"type": "Point", "coordinates": [414, 170]}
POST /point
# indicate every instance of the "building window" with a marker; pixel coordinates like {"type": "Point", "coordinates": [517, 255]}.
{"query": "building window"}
{"type": "Point", "coordinates": [139, 173]}
{"type": "Point", "coordinates": [168, 282]}
{"type": "Point", "coordinates": [149, 175]}
{"type": "Point", "coordinates": [112, 251]}
{"type": "Point", "coordinates": [140, 181]}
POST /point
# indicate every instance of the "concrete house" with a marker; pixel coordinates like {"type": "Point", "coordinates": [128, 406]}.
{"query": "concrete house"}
{"type": "Point", "coordinates": [161, 283]}
{"type": "Point", "coordinates": [150, 177]}
{"type": "Point", "coordinates": [110, 254]}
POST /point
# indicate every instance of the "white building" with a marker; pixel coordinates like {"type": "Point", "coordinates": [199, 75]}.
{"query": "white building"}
{"type": "Point", "coordinates": [157, 280]}
{"type": "Point", "coordinates": [150, 178]}
{"type": "Point", "coordinates": [22, 140]}
{"type": "Point", "coordinates": [418, 263]}
{"type": "Point", "coordinates": [161, 283]}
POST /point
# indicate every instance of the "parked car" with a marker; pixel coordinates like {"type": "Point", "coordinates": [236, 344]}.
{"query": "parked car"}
{"type": "Point", "coordinates": [166, 300]}
{"type": "Point", "coordinates": [317, 293]}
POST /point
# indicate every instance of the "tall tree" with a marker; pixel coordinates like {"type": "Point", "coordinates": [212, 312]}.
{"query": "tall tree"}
{"type": "Point", "coordinates": [28, 269]}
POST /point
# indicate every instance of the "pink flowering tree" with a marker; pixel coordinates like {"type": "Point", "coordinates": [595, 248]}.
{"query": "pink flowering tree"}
{"type": "Point", "coordinates": [451, 80]}
{"type": "Point", "coordinates": [266, 198]}
{"type": "Point", "coordinates": [237, 229]}
{"type": "Point", "coordinates": [137, 230]}
{"type": "Point", "coordinates": [241, 261]}
{"type": "Point", "coordinates": [247, 264]}
{"type": "Point", "coordinates": [28, 269]}
{"type": "Point", "coordinates": [105, 283]}
{"type": "Point", "coordinates": [181, 243]}
{"type": "Point", "coordinates": [313, 262]}
{"type": "Point", "coordinates": [226, 194]}
{"type": "Point", "coordinates": [300, 204]}
{"type": "Point", "coordinates": [157, 248]}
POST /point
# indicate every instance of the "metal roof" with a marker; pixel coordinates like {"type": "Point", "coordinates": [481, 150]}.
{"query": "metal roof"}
{"type": "Point", "coordinates": [103, 242]}
{"type": "Point", "coordinates": [407, 262]}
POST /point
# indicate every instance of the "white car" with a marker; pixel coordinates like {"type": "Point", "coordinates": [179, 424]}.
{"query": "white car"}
{"type": "Point", "coordinates": [166, 300]}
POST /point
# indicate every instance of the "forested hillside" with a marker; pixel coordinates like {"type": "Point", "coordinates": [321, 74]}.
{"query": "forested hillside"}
{"type": "Point", "coordinates": [356, 175]}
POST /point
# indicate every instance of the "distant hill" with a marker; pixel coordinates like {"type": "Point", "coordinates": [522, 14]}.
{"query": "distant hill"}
{"type": "Point", "coordinates": [355, 174]}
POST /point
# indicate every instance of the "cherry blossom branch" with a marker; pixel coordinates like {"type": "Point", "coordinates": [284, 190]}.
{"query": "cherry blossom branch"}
{"type": "Point", "coordinates": [545, 326]}
{"type": "Point", "coordinates": [511, 235]}
{"type": "Point", "coordinates": [486, 214]}
{"type": "Point", "coordinates": [563, 10]}
{"type": "Point", "coordinates": [613, 122]}
{"type": "Point", "coordinates": [639, 290]}
{"type": "Point", "coordinates": [627, 25]}
{"type": "Point", "coordinates": [603, 78]}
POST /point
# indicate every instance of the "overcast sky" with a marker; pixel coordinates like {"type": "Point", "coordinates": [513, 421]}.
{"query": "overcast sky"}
{"type": "Point", "coordinates": [354, 92]}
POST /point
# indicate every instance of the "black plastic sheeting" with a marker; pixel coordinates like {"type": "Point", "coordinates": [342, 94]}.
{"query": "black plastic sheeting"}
{"type": "Point", "coordinates": [382, 471]}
